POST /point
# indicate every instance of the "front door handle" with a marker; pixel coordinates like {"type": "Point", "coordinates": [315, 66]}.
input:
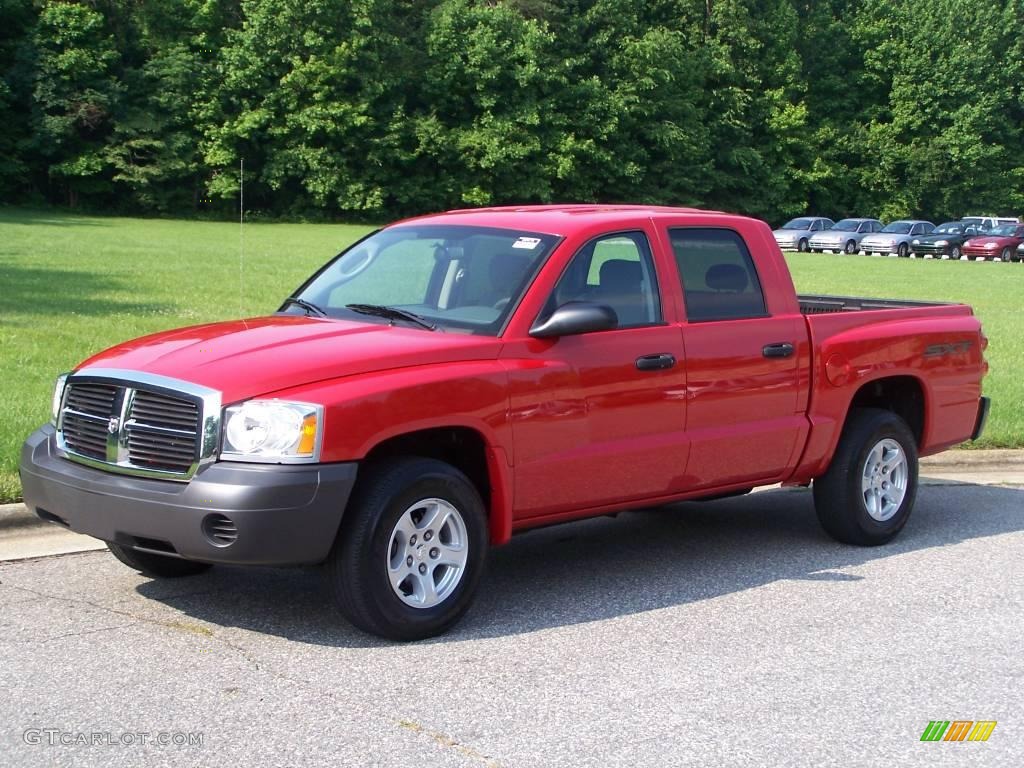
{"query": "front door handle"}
{"type": "Point", "coordinates": [655, 362]}
{"type": "Point", "coordinates": [779, 349]}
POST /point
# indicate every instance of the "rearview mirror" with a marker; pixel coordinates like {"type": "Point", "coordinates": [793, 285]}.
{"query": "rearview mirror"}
{"type": "Point", "coordinates": [574, 318]}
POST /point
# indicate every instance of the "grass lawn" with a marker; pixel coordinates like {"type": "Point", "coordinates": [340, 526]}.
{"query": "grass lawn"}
{"type": "Point", "coordinates": [73, 285]}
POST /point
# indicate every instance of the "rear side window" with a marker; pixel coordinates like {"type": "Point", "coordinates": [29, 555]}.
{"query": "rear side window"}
{"type": "Point", "coordinates": [719, 279]}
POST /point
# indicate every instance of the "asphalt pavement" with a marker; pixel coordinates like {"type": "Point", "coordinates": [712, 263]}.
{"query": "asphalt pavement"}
{"type": "Point", "coordinates": [730, 633]}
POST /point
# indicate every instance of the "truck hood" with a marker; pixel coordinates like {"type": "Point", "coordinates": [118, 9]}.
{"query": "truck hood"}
{"type": "Point", "coordinates": [258, 356]}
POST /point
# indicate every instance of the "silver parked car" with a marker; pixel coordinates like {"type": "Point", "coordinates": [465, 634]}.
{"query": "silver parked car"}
{"type": "Point", "coordinates": [895, 237]}
{"type": "Point", "coordinates": [844, 235]}
{"type": "Point", "coordinates": [795, 234]}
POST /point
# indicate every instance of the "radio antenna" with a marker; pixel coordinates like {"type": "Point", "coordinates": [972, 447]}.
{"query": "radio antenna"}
{"type": "Point", "coordinates": [241, 233]}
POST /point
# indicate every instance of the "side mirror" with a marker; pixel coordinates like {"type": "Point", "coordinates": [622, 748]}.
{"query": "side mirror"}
{"type": "Point", "coordinates": [574, 318]}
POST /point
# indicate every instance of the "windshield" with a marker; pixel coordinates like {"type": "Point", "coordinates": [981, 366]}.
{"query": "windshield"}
{"type": "Point", "coordinates": [846, 225]}
{"type": "Point", "coordinates": [949, 228]}
{"type": "Point", "coordinates": [898, 227]}
{"type": "Point", "coordinates": [1004, 230]}
{"type": "Point", "coordinates": [798, 224]}
{"type": "Point", "coordinates": [459, 278]}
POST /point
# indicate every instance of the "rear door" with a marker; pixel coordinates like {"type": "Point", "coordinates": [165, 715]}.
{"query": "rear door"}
{"type": "Point", "coordinates": [744, 362]}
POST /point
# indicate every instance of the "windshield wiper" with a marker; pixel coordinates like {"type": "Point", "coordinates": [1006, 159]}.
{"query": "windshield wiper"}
{"type": "Point", "coordinates": [391, 313]}
{"type": "Point", "coordinates": [310, 307]}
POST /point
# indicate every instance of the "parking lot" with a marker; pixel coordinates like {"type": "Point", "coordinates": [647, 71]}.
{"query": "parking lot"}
{"type": "Point", "coordinates": [724, 633]}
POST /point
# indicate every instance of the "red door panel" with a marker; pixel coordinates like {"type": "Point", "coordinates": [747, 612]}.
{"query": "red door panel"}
{"type": "Point", "coordinates": [589, 427]}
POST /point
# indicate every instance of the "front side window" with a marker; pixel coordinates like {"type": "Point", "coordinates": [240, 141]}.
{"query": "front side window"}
{"type": "Point", "coordinates": [718, 275]}
{"type": "Point", "coordinates": [457, 278]}
{"type": "Point", "coordinates": [616, 271]}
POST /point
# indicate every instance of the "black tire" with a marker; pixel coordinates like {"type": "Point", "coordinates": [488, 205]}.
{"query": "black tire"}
{"type": "Point", "coordinates": [902, 251]}
{"type": "Point", "coordinates": [802, 245]}
{"type": "Point", "coordinates": [1015, 257]}
{"type": "Point", "coordinates": [837, 250]}
{"type": "Point", "coordinates": [1005, 255]}
{"type": "Point", "coordinates": [839, 497]}
{"type": "Point", "coordinates": [156, 566]}
{"type": "Point", "coordinates": [956, 254]}
{"type": "Point", "coordinates": [817, 250]}
{"type": "Point", "coordinates": [868, 253]}
{"type": "Point", "coordinates": [357, 568]}
{"type": "Point", "coordinates": [851, 247]}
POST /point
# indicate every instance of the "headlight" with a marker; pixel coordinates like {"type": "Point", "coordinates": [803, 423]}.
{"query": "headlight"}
{"type": "Point", "coordinates": [272, 431]}
{"type": "Point", "coordinates": [915, 242]}
{"type": "Point", "coordinates": [991, 245]}
{"type": "Point", "coordinates": [58, 398]}
{"type": "Point", "coordinates": [943, 242]}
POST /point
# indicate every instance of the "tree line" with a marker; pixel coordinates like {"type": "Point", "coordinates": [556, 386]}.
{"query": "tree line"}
{"type": "Point", "coordinates": [378, 108]}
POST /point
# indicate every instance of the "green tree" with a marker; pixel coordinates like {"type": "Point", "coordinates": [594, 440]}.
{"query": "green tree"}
{"type": "Point", "coordinates": [76, 90]}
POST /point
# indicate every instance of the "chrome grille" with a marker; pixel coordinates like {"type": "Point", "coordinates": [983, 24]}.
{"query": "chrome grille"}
{"type": "Point", "coordinates": [162, 431]}
{"type": "Point", "coordinates": [144, 428]}
{"type": "Point", "coordinates": [87, 412]}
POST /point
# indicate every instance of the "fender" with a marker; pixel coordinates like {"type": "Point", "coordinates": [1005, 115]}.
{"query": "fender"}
{"type": "Point", "coordinates": [363, 411]}
{"type": "Point", "coordinates": [942, 355]}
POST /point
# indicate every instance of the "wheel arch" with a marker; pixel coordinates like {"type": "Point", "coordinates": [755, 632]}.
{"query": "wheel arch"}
{"type": "Point", "coordinates": [468, 450]}
{"type": "Point", "coordinates": [904, 395]}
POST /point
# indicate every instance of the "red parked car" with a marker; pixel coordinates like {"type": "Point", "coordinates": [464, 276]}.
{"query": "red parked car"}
{"type": "Point", "coordinates": [1001, 241]}
{"type": "Point", "coordinates": [454, 379]}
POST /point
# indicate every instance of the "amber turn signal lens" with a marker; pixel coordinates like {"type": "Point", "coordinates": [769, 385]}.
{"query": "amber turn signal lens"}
{"type": "Point", "coordinates": [307, 442]}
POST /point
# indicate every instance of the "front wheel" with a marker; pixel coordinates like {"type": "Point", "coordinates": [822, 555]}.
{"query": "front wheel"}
{"type": "Point", "coordinates": [903, 251]}
{"type": "Point", "coordinates": [867, 494]}
{"type": "Point", "coordinates": [156, 566]}
{"type": "Point", "coordinates": [956, 253]}
{"type": "Point", "coordinates": [1005, 255]}
{"type": "Point", "coordinates": [410, 551]}
{"type": "Point", "coordinates": [802, 245]}
{"type": "Point", "coordinates": [851, 247]}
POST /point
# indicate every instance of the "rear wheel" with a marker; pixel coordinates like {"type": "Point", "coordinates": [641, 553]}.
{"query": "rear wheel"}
{"type": "Point", "coordinates": [156, 566]}
{"type": "Point", "coordinates": [410, 551]}
{"type": "Point", "coordinates": [867, 494]}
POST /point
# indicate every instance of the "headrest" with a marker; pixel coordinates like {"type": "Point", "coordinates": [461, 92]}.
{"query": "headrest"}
{"type": "Point", "coordinates": [507, 269]}
{"type": "Point", "coordinates": [620, 273]}
{"type": "Point", "coordinates": [726, 277]}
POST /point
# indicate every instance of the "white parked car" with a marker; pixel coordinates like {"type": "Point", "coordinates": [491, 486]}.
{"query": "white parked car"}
{"type": "Point", "coordinates": [795, 234]}
{"type": "Point", "coordinates": [895, 237]}
{"type": "Point", "coordinates": [844, 235]}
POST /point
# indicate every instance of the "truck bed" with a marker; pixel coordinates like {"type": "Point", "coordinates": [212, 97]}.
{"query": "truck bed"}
{"type": "Point", "coordinates": [812, 304]}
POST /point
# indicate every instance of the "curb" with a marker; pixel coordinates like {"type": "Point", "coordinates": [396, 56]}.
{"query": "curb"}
{"type": "Point", "coordinates": [18, 516]}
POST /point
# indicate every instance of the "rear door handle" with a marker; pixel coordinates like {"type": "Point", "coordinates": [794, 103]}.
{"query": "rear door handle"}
{"type": "Point", "coordinates": [655, 362]}
{"type": "Point", "coordinates": [779, 349]}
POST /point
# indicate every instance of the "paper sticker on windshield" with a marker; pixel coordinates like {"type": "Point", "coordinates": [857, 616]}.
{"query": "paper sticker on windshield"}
{"type": "Point", "coordinates": [526, 242]}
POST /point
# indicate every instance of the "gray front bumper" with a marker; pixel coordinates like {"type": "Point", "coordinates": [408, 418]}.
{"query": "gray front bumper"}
{"type": "Point", "coordinates": [284, 514]}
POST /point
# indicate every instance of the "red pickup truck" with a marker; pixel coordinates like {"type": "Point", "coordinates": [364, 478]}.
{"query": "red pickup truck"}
{"type": "Point", "coordinates": [453, 379]}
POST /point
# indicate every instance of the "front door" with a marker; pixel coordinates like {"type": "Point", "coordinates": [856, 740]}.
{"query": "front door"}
{"type": "Point", "coordinates": [599, 418]}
